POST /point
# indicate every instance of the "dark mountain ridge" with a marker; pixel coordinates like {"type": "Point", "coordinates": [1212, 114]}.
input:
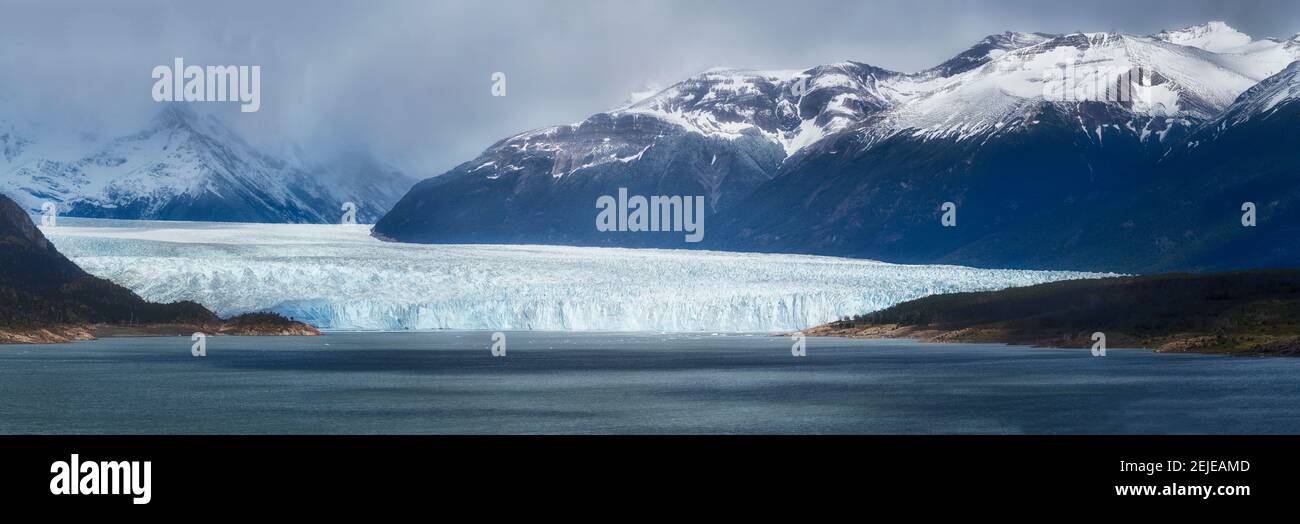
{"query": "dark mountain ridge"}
{"type": "Point", "coordinates": [1240, 313]}
{"type": "Point", "coordinates": [852, 160]}
{"type": "Point", "coordinates": [44, 297]}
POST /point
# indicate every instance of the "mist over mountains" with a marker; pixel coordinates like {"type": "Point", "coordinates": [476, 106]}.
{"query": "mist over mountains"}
{"type": "Point", "coordinates": [847, 159]}
{"type": "Point", "coordinates": [186, 166]}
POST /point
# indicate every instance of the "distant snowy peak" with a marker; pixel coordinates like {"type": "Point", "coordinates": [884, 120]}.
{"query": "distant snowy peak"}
{"type": "Point", "coordinates": [1255, 58]}
{"type": "Point", "coordinates": [1215, 36]}
{"type": "Point", "coordinates": [187, 166]}
{"type": "Point", "coordinates": [789, 108]}
{"type": "Point", "coordinates": [1183, 85]}
{"type": "Point", "coordinates": [997, 85]}
{"type": "Point", "coordinates": [992, 86]}
{"type": "Point", "coordinates": [796, 109]}
{"type": "Point", "coordinates": [792, 108]}
{"type": "Point", "coordinates": [722, 101]}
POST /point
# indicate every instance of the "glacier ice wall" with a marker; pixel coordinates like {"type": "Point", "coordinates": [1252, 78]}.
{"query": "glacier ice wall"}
{"type": "Point", "coordinates": [338, 277]}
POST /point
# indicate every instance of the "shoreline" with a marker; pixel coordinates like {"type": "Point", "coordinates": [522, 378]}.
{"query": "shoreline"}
{"type": "Point", "coordinates": [59, 334]}
{"type": "Point", "coordinates": [1190, 344]}
{"type": "Point", "coordinates": [1243, 313]}
{"type": "Point", "coordinates": [1183, 344]}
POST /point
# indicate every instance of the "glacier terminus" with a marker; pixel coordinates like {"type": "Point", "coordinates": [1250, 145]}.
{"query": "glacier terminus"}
{"type": "Point", "coordinates": [339, 277]}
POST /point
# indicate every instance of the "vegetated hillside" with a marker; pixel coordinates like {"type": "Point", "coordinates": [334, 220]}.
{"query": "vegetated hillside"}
{"type": "Point", "coordinates": [44, 297]}
{"type": "Point", "coordinates": [1249, 312]}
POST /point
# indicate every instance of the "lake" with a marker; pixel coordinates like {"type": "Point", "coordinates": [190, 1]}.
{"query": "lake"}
{"type": "Point", "coordinates": [602, 382]}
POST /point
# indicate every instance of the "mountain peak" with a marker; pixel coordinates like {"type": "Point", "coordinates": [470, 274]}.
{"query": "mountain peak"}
{"type": "Point", "coordinates": [1214, 36]}
{"type": "Point", "coordinates": [175, 113]}
{"type": "Point", "coordinates": [990, 48]}
{"type": "Point", "coordinates": [1017, 38]}
{"type": "Point", "coordinates": [16, 226]}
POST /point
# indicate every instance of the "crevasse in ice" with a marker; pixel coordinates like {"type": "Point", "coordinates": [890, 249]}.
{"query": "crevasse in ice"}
{"type": "Point", "coordinates": [338, 277]}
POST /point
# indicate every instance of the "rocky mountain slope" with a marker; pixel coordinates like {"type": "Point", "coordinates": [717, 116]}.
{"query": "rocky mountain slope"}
{"type": "Point", "coordinates": [1050, 146]}
{"type": "Point", "coordinates": [44, 297]}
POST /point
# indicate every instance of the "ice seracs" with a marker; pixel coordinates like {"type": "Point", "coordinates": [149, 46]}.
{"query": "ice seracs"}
{"type": "Point", "coordinates": [337, 277]}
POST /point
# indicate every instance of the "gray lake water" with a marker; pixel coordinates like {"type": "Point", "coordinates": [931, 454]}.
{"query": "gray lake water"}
{"type": "Point", "coordinates": [448, 382]}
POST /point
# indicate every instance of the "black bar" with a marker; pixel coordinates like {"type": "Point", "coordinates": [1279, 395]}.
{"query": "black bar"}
{"type": "Point", "coordinates": [482, 472]}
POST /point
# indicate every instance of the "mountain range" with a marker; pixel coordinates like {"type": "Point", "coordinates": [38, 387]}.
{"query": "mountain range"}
{"type": "Point", "coordinates": [186, 166]}
{"type": "Point", "coordinates": [855, 160]}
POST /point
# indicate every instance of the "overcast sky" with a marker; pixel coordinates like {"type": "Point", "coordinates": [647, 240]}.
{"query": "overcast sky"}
{"type": "Point", "coordinates": [413, 78]}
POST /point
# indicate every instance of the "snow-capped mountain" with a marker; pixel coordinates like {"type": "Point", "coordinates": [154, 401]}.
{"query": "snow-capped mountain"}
{"type": "Point", "coordinates": [999, 97]}
{"type": "Point", "coordinates": [991, 48]}
{"type": "Point", "coordinates": [853, 159]}
{"type": "Point", "coordinates": [1189, 211]}
{"type": "Point", "coordinates": [184, 166]}
{"type": "Point", "coordinates": [1039, 181]}
{"type": "Point", "coordinates": [1275, 94]}
{"type": "Point", "coordinates": [789, 108]}
{"type": "Point", "coordinates": [1215, 36]}
{"type": "Point", "coordinates": [1257, 58]}
{"type": "Point", "coordinates": [547, 180]}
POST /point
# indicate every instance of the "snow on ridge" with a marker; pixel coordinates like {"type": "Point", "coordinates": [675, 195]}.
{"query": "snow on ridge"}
{"type": "Point", "coordinates": [995, 86]}
{"type": "Point", "coordinates": [1257, 59]}
{"type": "Point", "coordinates": [1214, 36]}
{"type": "Point", "coordinates": [1003, 94]}
{"type": "Point", "coordinates": [338, 277]}
{"type": "Point", "coordinates": [1262, 99]}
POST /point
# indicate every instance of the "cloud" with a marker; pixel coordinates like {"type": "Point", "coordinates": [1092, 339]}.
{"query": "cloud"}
{"type": "Point", "coordinates": [412, 78]}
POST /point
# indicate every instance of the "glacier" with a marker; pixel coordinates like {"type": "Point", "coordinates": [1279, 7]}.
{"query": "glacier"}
{"type": "Point", "coordinates": [338, 277]}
